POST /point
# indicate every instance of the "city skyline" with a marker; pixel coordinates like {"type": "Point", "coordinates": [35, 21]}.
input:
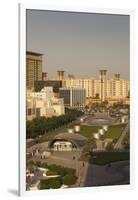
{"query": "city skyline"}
{"type": "Point", "coordinates": [80, 43]}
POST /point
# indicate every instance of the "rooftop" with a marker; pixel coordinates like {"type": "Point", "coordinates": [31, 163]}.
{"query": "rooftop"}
{"type": "Point", "coordinates": [78, 139]}
{"type": "Point", "coordinates": [33, 53]}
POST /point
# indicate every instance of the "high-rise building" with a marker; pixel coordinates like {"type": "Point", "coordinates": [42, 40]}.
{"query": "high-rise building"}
{"type": "Point", "coordinates": [103, 85]}
{"type": "Point", "coordinates": [87, 84]}
{"type": "Point", "coordinates": [119, 88]}
{"type": "Point", "coordinates": [73, 97]}
{"type": "Point", "coordinates": [33, 68]}
{"type": "Point", "coordinates": [103, 88]}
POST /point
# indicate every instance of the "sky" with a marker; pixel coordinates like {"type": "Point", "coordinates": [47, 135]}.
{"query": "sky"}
{"type": "Point", "coordinates": [80, 43]}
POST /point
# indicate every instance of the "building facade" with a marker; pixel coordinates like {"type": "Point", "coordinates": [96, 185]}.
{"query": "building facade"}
{"type": "Point", "coordinates": [102, 88]}
{"type": "Point", "coordinates": [73, 97]}
{"type": "Point", "coordinates": [67, 142]}
{"type": "Point", "coordinates": [43, 103]}
{"type": "Point", "coordinates": [33, 68]}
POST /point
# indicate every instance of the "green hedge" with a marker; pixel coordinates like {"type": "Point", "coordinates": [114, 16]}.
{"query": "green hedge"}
{"type": "Point", "coordinates": [44, 184]}
{"type": "Point", "coordinates": [51, 183]}
{"type": "Point", "coordinates": [69, 179]}
{"type": "Point", "coordinates": [58, 169]}
{"type": "Point", "coordinates": [55, 182]}
{"type": "Point", "coordinates": [51, 173]}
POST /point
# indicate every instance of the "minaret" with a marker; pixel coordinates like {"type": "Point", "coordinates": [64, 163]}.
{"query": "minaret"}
{"type": "Point", "coordinates": [103, 85]}
{"type": "Point", "coordinates": [60, 75]}
{"type": "Point", "coordinates": [117, 76]}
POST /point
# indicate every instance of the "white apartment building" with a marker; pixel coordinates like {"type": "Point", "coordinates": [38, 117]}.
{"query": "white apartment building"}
{"type": "Point", "coordinates": [43, 103]}
{"type": "Point", "coordinates": [103, 87]}
{"type": "Point", "coordinates": [118, 88]}
{"type": "Point", "coordinates": [87, 84]}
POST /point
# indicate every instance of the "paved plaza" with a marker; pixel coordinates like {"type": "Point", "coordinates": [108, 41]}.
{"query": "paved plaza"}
{"type": "Point", "coordinates": [114, 174]}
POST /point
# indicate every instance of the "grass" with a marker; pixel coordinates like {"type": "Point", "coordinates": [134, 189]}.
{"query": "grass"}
{"type": "Point", "coordinates": [87, 131]}
{"type": "Point", "coordinates": [113, 132]}
{"type": "Point", "coordinates": [51, 173]}
{"type": "Point", "coordinates": [102, 158]}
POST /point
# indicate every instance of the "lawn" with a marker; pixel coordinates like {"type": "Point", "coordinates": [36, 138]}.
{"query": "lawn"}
{"type": "Point", "coordinates": [102, 158]}
{"type": "Point", "coordinates": [113, 131]}
{"type": "Point", "coordinates": [87, 131]}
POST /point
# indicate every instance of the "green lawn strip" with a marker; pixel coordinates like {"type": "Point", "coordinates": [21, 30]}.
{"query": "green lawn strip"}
{"type": "Point", "coordinates": [87, 131]}
{"type": "Point", "coordinates": [103, 158]}
{"type": "Point", "coordinates": [115, 131]}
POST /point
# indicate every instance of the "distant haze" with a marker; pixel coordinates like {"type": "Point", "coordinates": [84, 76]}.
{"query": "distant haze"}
{"type": "Point", "coordinates": [80, 43]}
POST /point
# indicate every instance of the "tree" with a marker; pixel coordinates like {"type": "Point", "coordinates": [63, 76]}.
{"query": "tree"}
{"type": "Point", "coordinates": [42, 125]}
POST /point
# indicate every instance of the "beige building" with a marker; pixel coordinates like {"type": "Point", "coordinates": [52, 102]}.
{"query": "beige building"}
{"type": "Point", "coordinates": [87, 84]}
{"type": "Point", "coordinates": [102, 88]}
{"type": "Point", "coordinates": [33, 68]}
{"type": "Point", "coordinates": [43, 103]}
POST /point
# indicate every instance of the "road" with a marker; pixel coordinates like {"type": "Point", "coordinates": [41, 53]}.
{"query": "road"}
{"type": "Point", "coordinates": [119, 145]}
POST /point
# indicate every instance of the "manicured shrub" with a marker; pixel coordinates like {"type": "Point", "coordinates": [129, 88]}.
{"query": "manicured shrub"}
{"type": "Point", "coordinates": [51, 173]}
{"type": "Point", "coordinates": [44, 165]}
{"type": "Point", "coordinates": [70, 171]}
{"type": "Point", "coordinates": [69, 179]}
{"type": "Point", "coordinates": [55, 182]}
{"type": "Point", "coordinates": [61, 171]}
{"type": "Point", "coordinates": [55, 168]}
{"type": "Point", "coordinates": [38, 163]}
{"type": "Point", "coordinates": [52, 167]}
{"type": "Point", "coordinates": [44, 184]}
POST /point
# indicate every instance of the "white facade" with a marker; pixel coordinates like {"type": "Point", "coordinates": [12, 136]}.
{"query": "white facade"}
{"type": "Point", "coordinates": [103, 87]}
{"type": "Point", "coordinates": [63, 146]}
{"type": "Point", "coordinates": [43, 103]}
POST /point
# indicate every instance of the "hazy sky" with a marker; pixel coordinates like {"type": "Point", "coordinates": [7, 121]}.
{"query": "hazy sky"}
{"type": "Point", "coordinates": [80, 43]}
